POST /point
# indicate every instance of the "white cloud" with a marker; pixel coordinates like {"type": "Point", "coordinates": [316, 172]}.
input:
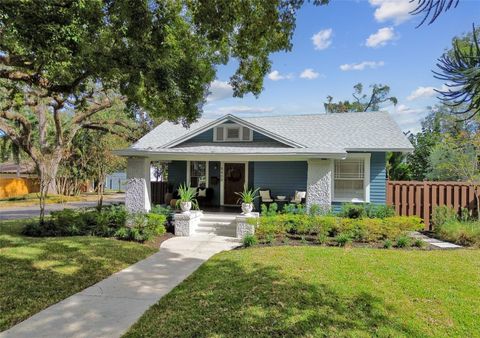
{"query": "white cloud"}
{"type": "Point", "coordinates": [381, 37]}
{"type": "Point", "coordinates": [361, 65]}
{"type": "Point", "coordinates": [322, 39]}
{"type": "Point", "coordinates": [237, 110]}
{"type": "Point", "coordinates": [309, 74]}
{"type": "Point", "coordinates": [219, 90]}
{"type": "Point", "coordinates": [408, 118]}
{"type": "Point", "coordinates": [397, 11]}
{"type": "Point", "coordinates": [276, 76]}
{"type": "Point", "coordinates": [425, 92]}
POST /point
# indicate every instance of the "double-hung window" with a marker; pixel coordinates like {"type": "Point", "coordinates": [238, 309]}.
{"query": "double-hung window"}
{"type": "Point", "coordinates": [351, 180]}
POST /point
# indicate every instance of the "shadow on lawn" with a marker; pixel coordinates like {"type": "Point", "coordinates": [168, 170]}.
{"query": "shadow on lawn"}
{"type": "Point", "coordinates": [35, 273]}
{"type": "Point", "coordinates": [224, 299]}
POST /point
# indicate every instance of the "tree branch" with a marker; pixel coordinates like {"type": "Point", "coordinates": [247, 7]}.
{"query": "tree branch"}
{"type": "Point", "coordinates": [93, 110]}
{"type": "Point", "coordinates": [108, 130]}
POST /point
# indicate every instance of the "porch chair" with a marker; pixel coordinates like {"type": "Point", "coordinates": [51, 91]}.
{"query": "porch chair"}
{"type": "Point", "coordinates": [265, 196]}
{"type": "Point", "coordinates": [299, 197]}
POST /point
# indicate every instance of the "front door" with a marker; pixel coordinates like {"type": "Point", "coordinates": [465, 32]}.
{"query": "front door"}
{"type": "Point", "coordinates": [234, 182]}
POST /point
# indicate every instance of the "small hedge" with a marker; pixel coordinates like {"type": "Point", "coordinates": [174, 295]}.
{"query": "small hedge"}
{"type": "Point", "coordinates": [111, 221]}
{"type": "Point", "coordinates": [358, 229]}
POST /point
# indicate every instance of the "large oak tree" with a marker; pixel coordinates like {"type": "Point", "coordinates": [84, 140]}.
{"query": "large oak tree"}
{"type": "Point", "coordinates": [63, 61]}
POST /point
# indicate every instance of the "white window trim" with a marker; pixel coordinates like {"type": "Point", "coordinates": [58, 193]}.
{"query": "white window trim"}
{"type": "Point", "coordinates": [222, 179]}
{"type": "Point", "coordinates": [189, 177]}
{"type": "Point", "coordinates": [366, 179]}
{"type": "Point", "coordinates": [225, 134]}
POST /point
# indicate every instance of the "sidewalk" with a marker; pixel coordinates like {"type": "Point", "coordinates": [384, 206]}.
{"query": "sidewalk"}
{"type": "Point", "coordinates": [110, 307]}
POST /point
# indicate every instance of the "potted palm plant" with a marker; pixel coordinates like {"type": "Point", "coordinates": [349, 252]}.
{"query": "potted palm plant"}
{"type": "Point", "coordinates": [187, 198]}
{"type": "Point", "coordinates": [247, 197]}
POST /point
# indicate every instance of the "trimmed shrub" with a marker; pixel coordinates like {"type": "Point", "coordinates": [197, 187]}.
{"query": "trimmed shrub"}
{"type": "Point", "coordinates": [362, 230]}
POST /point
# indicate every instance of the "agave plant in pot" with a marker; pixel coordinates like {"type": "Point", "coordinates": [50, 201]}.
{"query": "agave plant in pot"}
{"type": "Point", "coordinates": [187, 198]}
{"type": "Point", "coordinates": [247, 197]}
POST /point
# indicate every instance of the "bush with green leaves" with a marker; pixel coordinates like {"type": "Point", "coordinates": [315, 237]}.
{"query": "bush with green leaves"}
{"type": "Point", "coordinates": [142, 227]}
{"type": "Point", "coordinates": [269, 210]}
{"type": "Point", "coordinates": [111, 221]}
{"type": "Point", "coordinates": [249, 240]}
{"type": "Point", "coordinates": [352, 210]}
{"type": "Point", "coordinates": [403, 241]}
{"type": "Point", "coordinates": [366, 230]}
{"type": "Point", "coordinates": [343, 239]}
{"type": "Point", "coordinates": [387, 244]}
{"type": "Point", "coordinates": [461, 233]}
{"type": "Point", "coordinates": [379, 210]}
{"type": "Point", "coordinates": [80, 222]}
{"type": "Point", "coordinates": [443, 214]}
{"type": "Point", "coordinates": [294, 209]}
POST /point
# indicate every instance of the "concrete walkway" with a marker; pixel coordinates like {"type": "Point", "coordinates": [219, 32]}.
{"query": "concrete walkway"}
{"type": "Point", "coordinates": [434, 242]}
{"type": "Point", "coordinates": [110, 307]}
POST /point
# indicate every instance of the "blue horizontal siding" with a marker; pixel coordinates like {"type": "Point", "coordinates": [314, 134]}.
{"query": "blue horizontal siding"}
{"type": "Point", "coordinates": [207, 136]}
{"type": "Point", "coordinates": [177, 173]}
{"type": "Point", "coordinates": [282, 178]}
{"type": "Point", "coordinates": [378, 178]}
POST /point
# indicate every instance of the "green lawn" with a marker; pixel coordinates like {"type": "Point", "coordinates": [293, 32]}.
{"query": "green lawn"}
{"type": "Point", "coordinates": [38, 272]}
{"type": "Point", "coordinates": [322, 291]}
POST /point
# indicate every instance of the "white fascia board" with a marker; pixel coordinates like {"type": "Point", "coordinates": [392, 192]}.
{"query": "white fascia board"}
{"type": "Point", "coordinates": [158, 155]}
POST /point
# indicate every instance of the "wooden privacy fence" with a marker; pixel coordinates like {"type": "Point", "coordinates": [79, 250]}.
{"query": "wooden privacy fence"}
{"type": "Point", "coordinates": [415, 198]}
{"type": "Point", "coordinates": [158, 190]}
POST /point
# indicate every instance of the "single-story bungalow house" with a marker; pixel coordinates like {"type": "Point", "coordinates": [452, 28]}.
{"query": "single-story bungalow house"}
{"type": "Point", "coordinates": [325, 158]}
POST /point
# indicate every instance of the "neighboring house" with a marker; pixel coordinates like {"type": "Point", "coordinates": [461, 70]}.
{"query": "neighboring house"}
{"type": "Point", "coordinates": [116, 181]}
{"type": "Point", "coordinates": [17, 179]}
{"type": "Point", "coordinates": [335, 158]}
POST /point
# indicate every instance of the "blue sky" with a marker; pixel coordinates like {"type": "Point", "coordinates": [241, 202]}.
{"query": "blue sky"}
{"type": "Point", "coordinates": [346, 42]}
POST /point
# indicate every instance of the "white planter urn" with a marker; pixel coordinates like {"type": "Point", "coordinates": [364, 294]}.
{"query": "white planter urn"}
{"type": "Point", "coordinates": [185, 206]}
{"type": "Point", "coordinates": [247, 208]}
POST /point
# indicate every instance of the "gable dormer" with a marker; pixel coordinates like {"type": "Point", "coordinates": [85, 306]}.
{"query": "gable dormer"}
{"type": "Point", "coordinates": [232, 132]}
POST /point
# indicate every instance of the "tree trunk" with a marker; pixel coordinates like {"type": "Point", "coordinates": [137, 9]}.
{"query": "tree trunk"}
{"type": "Point", "coordinates": [47, 170]}
{"type": "Point", "coordinates": [477, 198]}
{"type": "Point", "coordinates": [100, 191]}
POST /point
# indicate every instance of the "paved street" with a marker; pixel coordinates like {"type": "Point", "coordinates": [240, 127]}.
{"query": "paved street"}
{"type": "Point", "coordinates": [33, 211]}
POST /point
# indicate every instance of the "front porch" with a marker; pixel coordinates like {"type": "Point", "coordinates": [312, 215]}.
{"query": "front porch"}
{"type": "Point", "coordinates": [219, 180]}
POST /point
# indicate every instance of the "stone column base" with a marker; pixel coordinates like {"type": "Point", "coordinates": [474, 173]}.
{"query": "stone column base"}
{"type": "Point", "coordinates": [186, 223]}
{"type": "Point", "coordinates": [244, 226]}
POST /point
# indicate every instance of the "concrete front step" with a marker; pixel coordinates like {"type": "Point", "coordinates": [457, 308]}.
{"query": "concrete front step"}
{"type": "Point", "coordinates": [218, 224]}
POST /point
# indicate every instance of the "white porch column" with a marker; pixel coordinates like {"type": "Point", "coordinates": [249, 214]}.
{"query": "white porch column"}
{"type": "Point", "coordinates": [137, 195]}
{"type": "Point", "coordinates": [319, 183]}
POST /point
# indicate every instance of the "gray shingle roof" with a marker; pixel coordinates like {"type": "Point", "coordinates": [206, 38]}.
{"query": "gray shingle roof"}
{"type": "Point", "coordinates": [317, 133]}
